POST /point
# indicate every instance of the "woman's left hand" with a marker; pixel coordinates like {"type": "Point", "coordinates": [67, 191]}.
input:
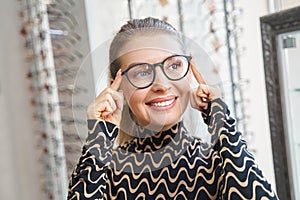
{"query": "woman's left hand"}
{"type": "Point", "coordinates": [204, 93]}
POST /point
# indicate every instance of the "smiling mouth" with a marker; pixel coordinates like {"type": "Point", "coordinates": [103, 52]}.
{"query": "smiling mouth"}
{"type": "Point", "coordinates": [162, 103]}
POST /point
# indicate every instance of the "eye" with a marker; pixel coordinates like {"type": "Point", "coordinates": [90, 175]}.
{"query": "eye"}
{"type": "Point", "coordinates": [174, 66]}
{"type": "Point", "coordinates": [142, 73]}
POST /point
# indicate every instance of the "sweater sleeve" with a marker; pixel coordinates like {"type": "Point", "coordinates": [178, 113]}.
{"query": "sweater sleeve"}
{"type": "Point", "coordinates": [88, 180]}
{"type": "Point", "coordinates": [240, 177]}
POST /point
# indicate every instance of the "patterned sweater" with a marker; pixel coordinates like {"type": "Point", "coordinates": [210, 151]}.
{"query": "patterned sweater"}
{"type": "Point", "coordinates": [169, 164]}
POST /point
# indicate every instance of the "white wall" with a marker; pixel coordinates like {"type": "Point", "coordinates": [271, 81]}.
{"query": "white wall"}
{"type": "Point", "coordinates": [104, 19]}
{"type": "Point", "coordinates": [289, 3]}
{"type": "Point", "coordinates": [19, 160]}
{"type": "Point", "coordinates": [253, 69]}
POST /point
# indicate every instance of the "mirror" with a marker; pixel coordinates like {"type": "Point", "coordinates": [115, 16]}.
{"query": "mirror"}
{"type": "Point", "coordinates": [281, 49]}
{"type": "Point", "coordinates": [288, 51]}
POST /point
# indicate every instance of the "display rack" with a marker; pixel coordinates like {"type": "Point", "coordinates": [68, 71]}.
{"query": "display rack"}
{"type": "Point", "coordinates": [42, 72]}
{"type": "Point", "coordinates": [56, 41]}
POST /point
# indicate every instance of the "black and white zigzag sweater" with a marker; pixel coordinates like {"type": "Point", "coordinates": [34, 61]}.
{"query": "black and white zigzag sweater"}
{"type": "Point", "coordinates": [170, 164]}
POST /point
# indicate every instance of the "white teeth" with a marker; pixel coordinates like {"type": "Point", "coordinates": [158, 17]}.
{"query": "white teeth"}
{"type": "Point", "coordinates": [164, 103]}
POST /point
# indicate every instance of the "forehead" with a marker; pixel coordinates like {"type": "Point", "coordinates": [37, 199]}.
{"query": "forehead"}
{"type": "Point", "coordinates": [152, 47]}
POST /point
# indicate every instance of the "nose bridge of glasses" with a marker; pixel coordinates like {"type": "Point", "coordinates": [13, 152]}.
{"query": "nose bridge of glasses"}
{"type": "Point", "coordinates": [160, 64]}
{"type": "Point", "coordinates": [160, 75]}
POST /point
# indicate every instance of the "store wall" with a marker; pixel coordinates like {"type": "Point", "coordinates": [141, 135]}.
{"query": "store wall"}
{"type": "Point", "coordinates": [19, 159]}
{"type": "Point", "coordinates": [104, 18]}
{"type": "Point", "coordinates": [19, 164]}
{"type": "Point", "coordinates": [285, 4]}
{"type": "Point", "coordinates": [253, 70]}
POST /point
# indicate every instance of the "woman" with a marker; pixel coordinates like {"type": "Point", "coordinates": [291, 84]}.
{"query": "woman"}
{"type": "Point", "coordinates": [156, 157]}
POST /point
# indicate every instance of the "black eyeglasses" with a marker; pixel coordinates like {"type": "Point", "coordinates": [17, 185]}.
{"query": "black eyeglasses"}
{"type": "Point", "coordinates": [142, 75]}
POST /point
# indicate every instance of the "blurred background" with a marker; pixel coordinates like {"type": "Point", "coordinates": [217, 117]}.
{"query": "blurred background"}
{"type": "Point", "coordinates": [49, 69]}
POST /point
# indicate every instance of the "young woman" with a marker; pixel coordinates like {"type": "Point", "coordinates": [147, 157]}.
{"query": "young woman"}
{"type": "Point", "coordinates": [156, 157]}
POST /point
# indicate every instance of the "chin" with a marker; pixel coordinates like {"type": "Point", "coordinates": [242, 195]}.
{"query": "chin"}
{"type": "Point", "coordinates": [162, 123]}
{"type": "Point", "coordinates": [160, 120]}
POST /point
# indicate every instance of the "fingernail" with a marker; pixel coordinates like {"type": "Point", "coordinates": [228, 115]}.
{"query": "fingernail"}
{"type": "Point", "coordinates": [119, 72]}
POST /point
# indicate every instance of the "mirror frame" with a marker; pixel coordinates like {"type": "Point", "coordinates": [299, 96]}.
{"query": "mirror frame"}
{"type": "Point", "coordinates": [271, 26]}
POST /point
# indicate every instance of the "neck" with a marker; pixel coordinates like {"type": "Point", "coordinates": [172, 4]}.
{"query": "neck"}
{"type": "Point", "coordinates": [158, 127]}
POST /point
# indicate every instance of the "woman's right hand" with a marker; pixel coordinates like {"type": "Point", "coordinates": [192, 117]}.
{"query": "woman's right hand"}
{"type": "Point", "coordinates": [108, 105]}
{"type": "Point", "coordinates": [204, 93]}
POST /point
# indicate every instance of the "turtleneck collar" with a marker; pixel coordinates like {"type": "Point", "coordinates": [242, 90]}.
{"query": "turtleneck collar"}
{"type": "Point", "coordinates": [143, 132]}
{"type": "Point", "coordinates": [147, 140]}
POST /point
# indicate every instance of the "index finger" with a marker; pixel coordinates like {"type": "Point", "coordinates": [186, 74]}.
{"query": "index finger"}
{"type": "Point", "coordinates": [117, 82]}
{"type": "Point", "coordinates": [200, 79]}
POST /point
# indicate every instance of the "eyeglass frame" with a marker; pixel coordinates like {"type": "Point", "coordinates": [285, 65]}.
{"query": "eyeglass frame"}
{"type": "Point", "coordinates": [161, 64]}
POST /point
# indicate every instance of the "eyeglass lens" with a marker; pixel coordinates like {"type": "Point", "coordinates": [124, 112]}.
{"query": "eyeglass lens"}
{"type": "Point", "coordinates": [142, 75]}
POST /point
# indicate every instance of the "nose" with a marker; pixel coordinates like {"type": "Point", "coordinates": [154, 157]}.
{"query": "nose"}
{"type": "Point", "coordinates": [161, 82]}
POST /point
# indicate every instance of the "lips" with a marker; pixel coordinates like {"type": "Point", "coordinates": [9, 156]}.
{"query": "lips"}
{"type": "Point", "coordinates": [162, 102]}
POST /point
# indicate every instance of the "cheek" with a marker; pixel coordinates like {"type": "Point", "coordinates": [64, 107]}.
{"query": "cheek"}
{"type": "Point", "coordinates": [184, 90]}
{"type": "Point", "coordinates": [189, 77]}
{"type": "Point", "coordinates": [183, 85]}
{"type": "Point", "coordinates": [128, 91]}
{"type": "Point", "coordinates": [134, 98]}
{"type": "Point", "coordinates": [137, 105]}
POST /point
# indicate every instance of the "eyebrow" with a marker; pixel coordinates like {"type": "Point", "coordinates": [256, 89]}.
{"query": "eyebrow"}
{"type": "Point", "coordinates": [134, 63]}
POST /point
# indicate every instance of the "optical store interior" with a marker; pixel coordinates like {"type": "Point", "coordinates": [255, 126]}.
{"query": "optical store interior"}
{"type": "Point", "coordinates": [53, 64]}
